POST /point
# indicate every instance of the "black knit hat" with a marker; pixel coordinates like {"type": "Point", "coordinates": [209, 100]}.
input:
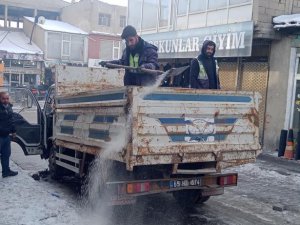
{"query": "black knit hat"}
{"type": "Point", "coordinates": [128, 31]}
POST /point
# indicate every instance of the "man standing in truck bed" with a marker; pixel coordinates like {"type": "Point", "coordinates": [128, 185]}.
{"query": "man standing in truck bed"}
{"type": "Point", "coordinates": [204, 68]}
{"type": "Point", "coordinates": [138, 54]}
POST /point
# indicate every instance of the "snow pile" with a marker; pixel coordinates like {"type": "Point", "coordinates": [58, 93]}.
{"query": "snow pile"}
{"type": "Point", "coordinates": [284, 21]}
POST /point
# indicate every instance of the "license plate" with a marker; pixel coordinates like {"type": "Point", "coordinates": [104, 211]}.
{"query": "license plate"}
{"type": "Point", "coordinates": [185, 183]}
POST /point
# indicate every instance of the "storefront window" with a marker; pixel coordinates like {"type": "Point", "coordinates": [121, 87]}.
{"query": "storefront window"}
{"type": "Point", "coordinates": [16, 63]}
{"type": "Point", "coordinates": [197, 5]}
{"type": "Point", "coordinates": [236, 2]}
{"type": "Point", "coordinates": [164, 13]}
{"type": "Point", "coordinates": [213, 4]}
{"type": "Point", "coordinates": [182, 7]}
{"type": "Point", "coordinates": [150, 9]}
{"type": "Point", "coordinates": [134, 13]}
{"type": "Point", "coordinates": [6, 79]}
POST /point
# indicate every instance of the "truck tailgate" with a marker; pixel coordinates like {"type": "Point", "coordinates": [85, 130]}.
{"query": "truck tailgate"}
{"type": "Point", "coordinates": [167, 126]}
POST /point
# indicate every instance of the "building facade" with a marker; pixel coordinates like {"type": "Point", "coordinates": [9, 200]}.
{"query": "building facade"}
{"type": "Point", "coordinates": [22, 63]}
{"type": "Point", "coordinates": [104, 24]}
{"type": "Point", "coordinates": [13, 11]}
{"type": "Point", "coordinates": [249, 49]}
{"type": "Point", "coordinates": [61, 43]}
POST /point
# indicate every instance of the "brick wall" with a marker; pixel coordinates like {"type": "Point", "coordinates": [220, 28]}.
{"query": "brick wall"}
{"type": "Point", "coordinates": [265, 10]}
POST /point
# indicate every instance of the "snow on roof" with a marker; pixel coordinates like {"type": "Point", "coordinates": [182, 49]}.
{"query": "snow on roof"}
{"type": "Point", "coordinates": [104, 33]}
{"type": "Point", "coordinates": [17, 42]}
{"type": "Point", "coordinates": [55, 25]}
{"type": "Point", "coordinates": [284, 21]}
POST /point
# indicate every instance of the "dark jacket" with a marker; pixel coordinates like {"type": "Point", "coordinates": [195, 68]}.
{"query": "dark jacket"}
{"type": "Point", "coordinates": [6, 121]}
{"type": "Point", "coordinates": [211, 81]}
{"type": "Point", "coordinates": [147, 58]}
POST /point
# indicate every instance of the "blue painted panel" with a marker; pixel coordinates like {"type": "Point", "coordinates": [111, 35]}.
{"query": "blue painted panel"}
{"type": "Point", "coordinates": [99, 134]}
{"type": "Point", "coordinates": [105, 119]}
{"type": "Point", "coordinates": [197, 97]}
{"type": "Point", "coordinates": [179, 121]}
{"type": "Point", "coordinates": [196, 137]}
{"type": "Point", "coordinates": [70, 117]}
{"type": "Point", "coordinates": [174, 121]}
{"type": "Point", "coordinates": [95, 98]}
{"type": "Point", "coordinates": [66, 130]}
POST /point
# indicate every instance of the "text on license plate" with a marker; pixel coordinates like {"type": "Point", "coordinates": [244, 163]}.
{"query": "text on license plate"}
{"type": "Point", "coordinates": [185, 183]}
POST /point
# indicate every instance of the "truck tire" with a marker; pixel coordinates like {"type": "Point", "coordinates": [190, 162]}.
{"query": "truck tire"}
{"type": "Point", "coordinates": [56, 172]}
{"type": "Point", "coordinates": [189, 198]}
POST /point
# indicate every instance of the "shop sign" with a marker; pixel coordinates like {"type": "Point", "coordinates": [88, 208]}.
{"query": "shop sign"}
{"type": "Point", "coordinates": [232, 40]}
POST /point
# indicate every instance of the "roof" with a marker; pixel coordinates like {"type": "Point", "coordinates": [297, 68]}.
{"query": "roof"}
{"type": "Point", "coordinates": [59, 26]}
{"type": "Point", "coordinates": [17, 42]}
{"type": "Point", "coordinates": [285, 21]}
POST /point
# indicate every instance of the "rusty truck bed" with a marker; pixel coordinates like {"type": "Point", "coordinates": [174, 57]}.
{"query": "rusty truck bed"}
{"type": "Point", "coordinates": [161, 126]}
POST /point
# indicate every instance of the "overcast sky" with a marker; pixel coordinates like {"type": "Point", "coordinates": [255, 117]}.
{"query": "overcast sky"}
{"type": "Point", "coordinates": [113, 2]}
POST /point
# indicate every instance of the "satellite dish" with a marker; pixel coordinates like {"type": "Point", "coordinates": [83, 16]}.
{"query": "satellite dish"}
{"type": "Point", "coordinates": [41, 20]}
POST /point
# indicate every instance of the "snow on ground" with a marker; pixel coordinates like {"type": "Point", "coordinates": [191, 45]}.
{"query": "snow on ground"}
{"type": "Point", "coordinates": [25, 201]}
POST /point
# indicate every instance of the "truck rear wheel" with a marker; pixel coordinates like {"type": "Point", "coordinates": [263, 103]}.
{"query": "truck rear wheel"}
{"type": "Point", "coordinates": [189, 198]}
{"type": "Point", "coordinates": [56, 172]}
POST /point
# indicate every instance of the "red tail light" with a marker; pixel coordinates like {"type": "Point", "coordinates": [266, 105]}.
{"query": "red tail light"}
{"type": "Point", "coordinates": [133, 188]}
{"type": "Point", "coordinates": [228, 180]}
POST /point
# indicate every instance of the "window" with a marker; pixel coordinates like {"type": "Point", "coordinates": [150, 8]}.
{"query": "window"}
{"type": "Point", "coordinates": [182, 7]}
{"type": "Point", "coordinates": [197, 5]}
{"type": "Point", "coordinates": [135, 13]}
{"type": "Point", "coordinates": [213, 4]}
{"type": "Point", "coordinates": [54, 45]}
{"type": "Point", "coordinates": [164, 13]}
{"type": "Point", "coordinates": [116, 50]}
{"type": "Point", "coordinates": [106, 47]}
{"type": "Point", "coordinates": [122, 21]}
{"type": "Point", "coordinates": [104, 19]}
{"type": "Point", "coordinates": [236, 2]}
{"type": "Point", "coordinates": [150, 10]}
{"type": "Point", "coordinates": [77, 48]}
{"type": "Point", "coordinates": [66, 45]}
{"type": "Point", "coordinates": [110, 49]}
{"type": "Point", "coordinates": [16, 63]}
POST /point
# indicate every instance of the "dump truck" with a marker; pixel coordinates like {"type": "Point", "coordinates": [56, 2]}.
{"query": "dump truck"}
{"type": "Point", "coordinates": [173, 140]}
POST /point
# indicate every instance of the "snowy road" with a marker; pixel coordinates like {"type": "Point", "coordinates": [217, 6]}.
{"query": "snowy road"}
{"type": "Point", "coordinates": [261, 187]}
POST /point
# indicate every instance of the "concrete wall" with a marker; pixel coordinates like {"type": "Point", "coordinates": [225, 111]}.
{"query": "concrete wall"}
{"type": "Point", "coordinates": [38, 35]}
{"type": "Point", "coordinates": [85, 15]}
{"type": "Point", "coordinates": [277, 92]}
{"type": "Point", "coordinates": [265, 10]}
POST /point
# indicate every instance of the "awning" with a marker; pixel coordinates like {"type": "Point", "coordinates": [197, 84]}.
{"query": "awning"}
{"type": "Point", "coordinates": [285, 21]}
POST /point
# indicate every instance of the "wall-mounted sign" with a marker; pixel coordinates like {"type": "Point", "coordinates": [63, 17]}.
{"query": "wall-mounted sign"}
{"type": "Point", "coordinates": [232, 40]}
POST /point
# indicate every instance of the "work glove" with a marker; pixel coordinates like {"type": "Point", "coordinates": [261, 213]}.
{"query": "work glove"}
{"type": "Point", "coordinates": [102, 63]}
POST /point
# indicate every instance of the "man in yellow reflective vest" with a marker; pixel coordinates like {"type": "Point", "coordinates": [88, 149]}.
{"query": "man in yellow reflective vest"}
{"type": "Point", "coordinates": [138, 54]}
{"type": "Point", "coordinates": [204, 68]}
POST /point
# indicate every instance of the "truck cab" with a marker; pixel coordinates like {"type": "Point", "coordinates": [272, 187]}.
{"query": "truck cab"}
{"type": "Point", "coordinates": [33, 123]}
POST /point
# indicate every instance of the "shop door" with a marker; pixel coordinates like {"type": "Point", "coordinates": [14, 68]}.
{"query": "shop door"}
{"type": "Point", "coordinates": [228, 75]}
{"type": "Point", "coordinates": [295, 115]}
{"type": "Point", "coordinates": [254, 77]}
